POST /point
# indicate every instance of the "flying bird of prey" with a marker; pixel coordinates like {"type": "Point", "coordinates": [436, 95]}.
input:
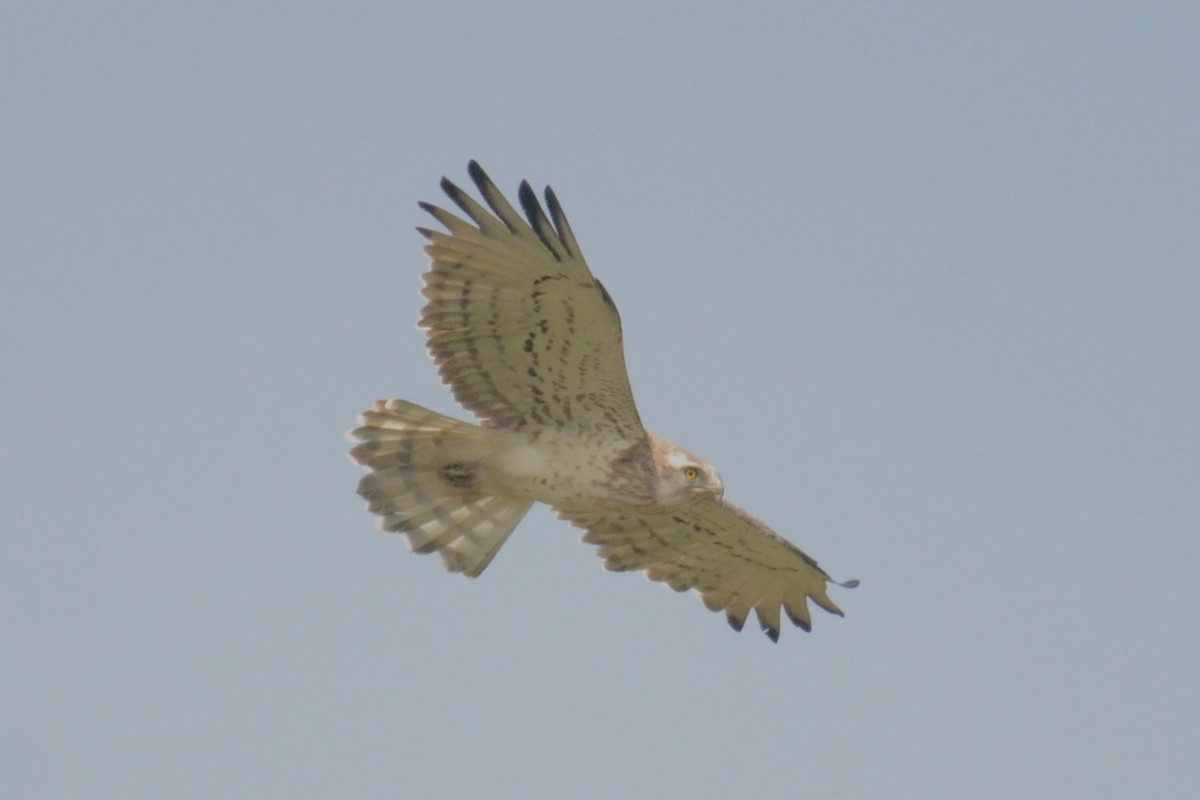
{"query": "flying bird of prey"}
{"type": "Point", "coordinates": [530, 342]}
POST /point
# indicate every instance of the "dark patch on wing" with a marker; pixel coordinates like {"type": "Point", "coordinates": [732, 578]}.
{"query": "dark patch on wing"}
{"type": "Point", "coordinates": [604, 293]}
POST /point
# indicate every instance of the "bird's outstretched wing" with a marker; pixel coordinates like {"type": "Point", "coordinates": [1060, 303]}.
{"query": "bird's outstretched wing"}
{"type": "Point", "coordinates": [518, 327]}
{"type": "Point", "coordinates": [734, 561]}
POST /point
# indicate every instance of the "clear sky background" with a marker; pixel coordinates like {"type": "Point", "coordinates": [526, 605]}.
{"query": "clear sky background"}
{"type": "Point", "coordinates": [922, 280]}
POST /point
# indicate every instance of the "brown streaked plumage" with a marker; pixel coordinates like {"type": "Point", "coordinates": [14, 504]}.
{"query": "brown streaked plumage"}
{"type": "Point", "coordinates": [529, 341]}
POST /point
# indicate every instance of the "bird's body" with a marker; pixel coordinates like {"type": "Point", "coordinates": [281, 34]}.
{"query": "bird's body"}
{"type": "Point", "coordinates": [530, 342]}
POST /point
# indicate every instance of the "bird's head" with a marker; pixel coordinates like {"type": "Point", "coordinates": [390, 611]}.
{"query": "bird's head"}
{"type": "Point", "coordinates": [682, 476]}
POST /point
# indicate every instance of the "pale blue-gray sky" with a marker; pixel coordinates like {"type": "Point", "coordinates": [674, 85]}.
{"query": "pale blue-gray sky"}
{"type": "Point", "coordinates": [923, 280]}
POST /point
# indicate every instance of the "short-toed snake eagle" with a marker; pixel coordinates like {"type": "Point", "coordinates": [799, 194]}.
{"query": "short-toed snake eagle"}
{"type": "Point", "coordinates": [530, 342]}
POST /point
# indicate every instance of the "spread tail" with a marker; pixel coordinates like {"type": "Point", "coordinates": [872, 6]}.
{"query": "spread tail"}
{"type": "Point", "coordinates": [422, 469]}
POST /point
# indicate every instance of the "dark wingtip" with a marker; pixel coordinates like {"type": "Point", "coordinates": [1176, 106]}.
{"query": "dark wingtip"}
{"type": "Point", "coordinates": [798, 621]}
{"type": "Point", "coordinates": [450, 188]}
{"type": "Point", "coordinates": [772, 633]}
{"type": "Point", "coordinates": [528, 198]}
{"type": "Point", "coordinates": [734, 622]}
{"type": "Point", "coordinates": [541, 225]}
{"type": "Point", "coordinates": [559, 218]}
{"type": "Point", "coordinates": [476, 172]}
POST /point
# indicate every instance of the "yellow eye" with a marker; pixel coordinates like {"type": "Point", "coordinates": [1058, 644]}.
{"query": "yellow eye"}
{"type": "Point", "coordinates": [691, 473]}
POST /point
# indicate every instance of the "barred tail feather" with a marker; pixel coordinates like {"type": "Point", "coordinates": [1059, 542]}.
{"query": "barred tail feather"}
{"type": "Point", "coordinates": [422, 470]}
